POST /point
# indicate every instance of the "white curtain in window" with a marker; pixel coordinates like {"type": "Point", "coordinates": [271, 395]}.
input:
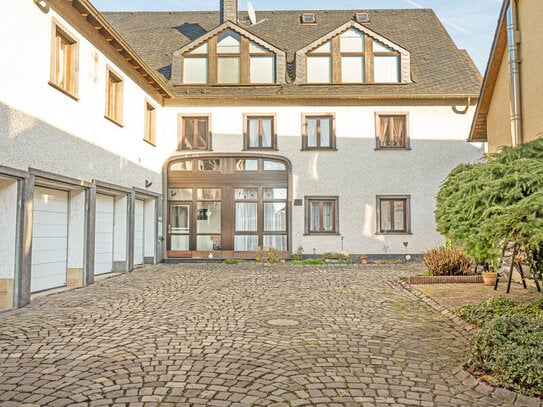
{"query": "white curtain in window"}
{"type": "Point", "coordinates": [228, 68]}
{"type": "Point", "coordinates": [312, 132]}
{"type": "Point", "coordinates": [387, 69]}
{"type": "Point", "coordinates": [246, 217]}
{"type": "Point", "coordinates": [399, 216]}
{"type": "Point", "coordinates": [254, 127]}
{"type": "Point", "coordinates": [179, 242]}
{"type": "Point", "coordinates": [195, 70]}
{"type": "Point", "coordinates": [319, 69]}
{"type": "Point", "coordinates": [277, 241]}
{"type": "Point", "coordinates": [386, 221]}
{"type": "Point", "coordinates": [352, 69]}
{"type": "Point", "coordinates": [208, 218]}
{"type": "Point", "coordinates": [275, 217]}
{"type": "Point", "coordinates": [245, 243]}
{"type": "Point", "coordinates": [262, 69]}
{"type": "Point", "coordinates": [266, 133]}
{"type": "Point", "coordinates": [325, 132]}
{"type": "Point", "coordinates": [314, 216]}
{"type": "Point", "coordinates": [327, 215]}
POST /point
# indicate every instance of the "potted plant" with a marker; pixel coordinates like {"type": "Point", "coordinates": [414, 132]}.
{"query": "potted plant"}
{"type": "Point", "coordinates": [489, 278]}
{"type": "Point", "coordinates": [364, 260]}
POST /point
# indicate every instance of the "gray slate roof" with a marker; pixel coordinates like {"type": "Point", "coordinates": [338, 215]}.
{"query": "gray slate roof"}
{"type": "Point", "coordinates": [438, 67]}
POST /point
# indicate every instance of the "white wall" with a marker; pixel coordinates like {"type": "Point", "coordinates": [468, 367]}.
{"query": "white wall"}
{"type": "Point", "coordinates": [57, 133]}
{"type": "Point", "coordinates": [357, 173]}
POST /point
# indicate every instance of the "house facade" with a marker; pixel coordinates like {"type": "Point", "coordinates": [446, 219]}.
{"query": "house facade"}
{"type": "Point", "coordinates": [509, 111]}
{"type": "Point", "coordinates": [130, 138]}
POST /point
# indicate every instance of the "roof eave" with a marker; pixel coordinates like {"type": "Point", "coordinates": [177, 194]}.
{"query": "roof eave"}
{"type": "Point", "coordinates": [478, 126]}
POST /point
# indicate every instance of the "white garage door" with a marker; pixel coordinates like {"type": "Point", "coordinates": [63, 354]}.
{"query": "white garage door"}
{"type": "Point", "coordinates": [49, 239]}
{"type": "Point", "coordinates": [103, 245]}
{"type": "Point", "coordinates": [138, 232]}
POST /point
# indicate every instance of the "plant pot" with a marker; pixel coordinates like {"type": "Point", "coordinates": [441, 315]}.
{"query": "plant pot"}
{"type": "Point", "coordinates": [489, 279]}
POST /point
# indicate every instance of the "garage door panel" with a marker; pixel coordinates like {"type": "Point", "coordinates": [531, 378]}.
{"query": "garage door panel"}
{"type": "Point", "coordinates": [49, 239]}
{"type": "Point", "coordinates": [48, 243]}
{"type": "Point", "coordinates": [49, 218]}
{"type": "Point", "coordinates": [48, 256]}
{"type": "Point", "coordinates": [44, 276]}
{"type": "Point", "coordinates": [49, 231]}
{"type": "Point", "coordinates": [104, 240]}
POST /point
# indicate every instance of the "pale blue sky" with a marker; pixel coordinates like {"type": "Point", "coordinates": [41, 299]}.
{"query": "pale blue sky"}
{"type": "Point", "coordinates": [471, 23]}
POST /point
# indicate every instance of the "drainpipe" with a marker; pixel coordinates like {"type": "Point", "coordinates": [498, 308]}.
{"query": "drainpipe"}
{"type": "Point", "coordinates": [513, 43]}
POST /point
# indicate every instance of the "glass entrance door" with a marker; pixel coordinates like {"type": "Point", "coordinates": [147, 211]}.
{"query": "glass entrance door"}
{"type": "Point", "coordinates": [179, 226]}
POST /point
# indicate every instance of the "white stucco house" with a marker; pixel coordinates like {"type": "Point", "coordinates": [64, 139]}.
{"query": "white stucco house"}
{"type": "Point", "coordinates": [131, 138]}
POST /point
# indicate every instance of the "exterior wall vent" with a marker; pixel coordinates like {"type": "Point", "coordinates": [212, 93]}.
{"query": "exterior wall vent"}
{"type": "Point", "coordinates": [308, 18]}
{"type": "Point", "coordinates": [362, 17]}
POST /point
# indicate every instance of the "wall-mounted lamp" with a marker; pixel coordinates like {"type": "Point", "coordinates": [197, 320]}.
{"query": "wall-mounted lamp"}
{"type": "Point", "coordinates": [148, 183]}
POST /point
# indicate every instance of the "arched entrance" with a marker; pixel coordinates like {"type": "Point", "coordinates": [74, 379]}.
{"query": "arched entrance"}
{"type": "Point", "coordinates": [227, 206]}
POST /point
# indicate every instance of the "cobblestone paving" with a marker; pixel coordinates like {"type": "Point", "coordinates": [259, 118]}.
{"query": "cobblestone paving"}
{"type": "Point", "coordinates": [235, 335]}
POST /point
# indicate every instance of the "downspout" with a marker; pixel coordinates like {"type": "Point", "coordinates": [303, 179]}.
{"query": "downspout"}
{"type": "Point", "coordinates": [513, 43]}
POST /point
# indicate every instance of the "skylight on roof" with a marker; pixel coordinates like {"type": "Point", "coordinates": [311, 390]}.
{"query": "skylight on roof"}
{"type": "Point", "coordinates": [362, 17]}
{"type": "Point", "coordinates": [308, 18]}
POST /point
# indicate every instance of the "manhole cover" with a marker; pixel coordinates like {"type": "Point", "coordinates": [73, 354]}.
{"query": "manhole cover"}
{"type": "Point", "coordinates": [283, 322]}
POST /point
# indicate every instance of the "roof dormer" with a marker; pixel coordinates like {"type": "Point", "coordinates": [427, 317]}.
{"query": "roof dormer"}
{"type": "Point", "coordinates": [353, 54]}
{"type": "Point", "coordinates": [228, 55]}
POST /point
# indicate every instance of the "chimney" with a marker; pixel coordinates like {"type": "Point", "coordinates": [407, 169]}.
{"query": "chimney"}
{"type": "Point", "coordinates": [229, 10]}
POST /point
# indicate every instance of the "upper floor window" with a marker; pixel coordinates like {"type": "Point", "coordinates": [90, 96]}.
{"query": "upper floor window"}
{"type": "Point", "coordinates": [64, 61]}
{"type": "Point", "coordinates": [392, 131]}
{"type": "Point", "coordinates": [195, 133]}
{"type": "Point", "coordinates": [149, 134]}
{"type": "Point", "coordinates": [353, 57]}
{"type": "Point", "coordinates": [318, 132]}
{"type": "Point", "coordinates": [229, 58]}
{"type": "Point", "coordinates": [114, 97]}
{"type": "Point", "coordinates": [260, 132]}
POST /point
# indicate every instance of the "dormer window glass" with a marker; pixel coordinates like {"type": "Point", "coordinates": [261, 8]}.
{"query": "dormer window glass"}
{"type": "Point", "coordinates": [352, 56]}
{"type": "Point", "coordinates": [319, 64]}
{"type": "Point", "coordinates": [386, 64]}
{"type": "Point", "coordinates": [228, 59]}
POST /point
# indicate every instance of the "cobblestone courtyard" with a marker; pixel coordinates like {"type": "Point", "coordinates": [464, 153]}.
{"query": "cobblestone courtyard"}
{"type": "Point", "coordinates": [236, 335]}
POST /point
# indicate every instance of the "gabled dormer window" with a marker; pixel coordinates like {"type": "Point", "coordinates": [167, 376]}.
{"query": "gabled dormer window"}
{"type": "Point", "coordinates": [229, 58]}
{"type": "Point", "coordinates": [353, 57]}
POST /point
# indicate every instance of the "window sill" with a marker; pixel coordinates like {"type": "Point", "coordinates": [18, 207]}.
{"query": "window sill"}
{"type": "Point", "coordinates": [260, 149]}
{"type": "Point", "coordinates": [319, 149]}
{"type": "Point", "coordinates": [322, 234]}
{"type": "Point", "coordinates": [152, 143]}
{"type": "Point", "coordinates": [393, 233]}
{"type": "Point", "coordinates": [114, 121]}
{"type": "Point", "coordinates": [62, 90]}
{"type": "Point", "coordinates": [392, 149]}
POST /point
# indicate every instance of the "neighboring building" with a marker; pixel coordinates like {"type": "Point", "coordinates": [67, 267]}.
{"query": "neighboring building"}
{"type": "Point", "coordinates": [127, 138]}
{"type": "Point", "coordinates": [509, 112]}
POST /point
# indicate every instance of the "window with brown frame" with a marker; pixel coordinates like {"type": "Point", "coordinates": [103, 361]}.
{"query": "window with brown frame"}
{"type": "Point", "coordinates": [259, 133]}
{"type": "Point", "coordinates": [64, 62]}
{"type": "Point", "coordinates": [321, 215]}
{"type": "Point", "coordinates": [150, 124]}
{"type": "Point", "coordinates": [353, 57]}
{"type": "Point", "coordinates": [393, 215]}
{"type": "Point", "coordinates": [114, 97]}
{"type": "Point", "coordinates": [392, 131]}
{"type": "Point", "coordinates": [318, 132]}
{"type": "Point", "coordinates": [229, 58]}
{"type": "Point", "coordinates": [195, 133]}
